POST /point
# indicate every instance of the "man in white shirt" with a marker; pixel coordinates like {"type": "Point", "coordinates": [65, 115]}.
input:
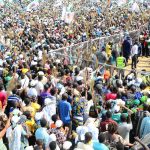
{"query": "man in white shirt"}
{"type": "Point", "coordinates": [32, 91]}
{"type": "Point", "coordinates": [134, 55]}
{"type": "Point", "coordinates": [39, 86]}
{"type": "Point", "coordinates": [124, 128]}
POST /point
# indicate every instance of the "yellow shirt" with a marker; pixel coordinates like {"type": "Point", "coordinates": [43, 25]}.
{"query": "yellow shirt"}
{"type": "Point", "coordinates": [30, 109]}
{"type": "Point", "coordinates": [108, 50]}
{"type": "Point", "coordinates": [36, 106]}
{"type": "Point", "coordinates": [31, 125]}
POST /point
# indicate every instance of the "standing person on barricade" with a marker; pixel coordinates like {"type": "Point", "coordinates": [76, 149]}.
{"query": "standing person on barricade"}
{"type": "Point", "coordinates": [121, 63]}
{"type": "Point", "coordinates": [134, 55]}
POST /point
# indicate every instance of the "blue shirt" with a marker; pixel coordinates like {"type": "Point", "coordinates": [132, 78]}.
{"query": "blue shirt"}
{"type": "Point", "coordinates": [145, 127]}
{"type": "Point", "coordinates": [64, 111]}
{"type": "Point", "coordinates": [99, 146]}
{"type": "Point", "coordinates": [41, 134]}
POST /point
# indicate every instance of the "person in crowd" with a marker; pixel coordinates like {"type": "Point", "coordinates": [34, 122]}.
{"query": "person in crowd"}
{"type": "Point", "coordinates": [134, 55]}
{"type": "Point", "coordinates": [42, 133]}
{"type": "Point", "coordinates": [100, 145]}
{"type": "Point", "coordinates": [125, 127]}
{"type": "Point", "coordinates": [63, 80]}
{"type": "Point", "coordinates": [104, 124]}
{"type": "Point", "coordinates": [64, 109]}
{"type": "Point", "coordinates": [87, 144]}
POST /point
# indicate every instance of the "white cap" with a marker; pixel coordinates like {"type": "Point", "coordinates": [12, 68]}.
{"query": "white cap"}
{"type": "Point", "coordinates": [41, 73]}
{"type": "Point", "coordinates": [32, 83]}
{"type": "Point", "coordinates": [116, 108]}
{"type": "Point", "coordinates": [81, 130]}
{"type": "Point", "coordinates": [15, 119]}
{"type": "Point", "coordinates": [33, 63]}
{"type": "Point", "coordinates": [20, 56]}
{"type": "Point", "coordinates": [67, 145]}
{"type": "Point", "coordinates": [47, 101]}
{"type": "Point", "coordinates": [59, 123]}
{"type": "Point", "coordinates": [130, 77]}
{"type": "Point", "coordinates": [79, 78]}
{"type": "Point", "coordinates": [39, 115]}
{"type": "Point", "coordinates": [29, 148]}
{"type": "Point", "coordinates": [138, 82]}
{"type": "Point", "coordinates": [52, 137]}
{"type": "Point", "coordinates": [57, 61]}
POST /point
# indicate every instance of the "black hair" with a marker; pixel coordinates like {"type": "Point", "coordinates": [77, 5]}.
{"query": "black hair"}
{"type": "Point", "coordinates": [54, 118]}
{"type": "Point", "coordinates": [112, 128]}
{"type": "Point", "coordinates": [1, 87]}
{"type": "Point", "coordinates": [142, 86]}
{"type": "Point", "coordinates": [89, 96]}
{"type": "Point", "coordinates": [46, 87]}
{"type": "Point", "coordinates": [27, 101]}
{"type": "Point", "coordinates": [123, 118]}
{"type": "Point", "coordinates": [43, 122]}
{"type": "Point", "coordinates": [133, 88]}
{"type": "Point", "coordinates": [52, 145]}
{"type": "Point", "coordinates": [108, 105]}
{"type": "Point", "coordinates": [64, 96]}
{"type": "Point", "coordinates": [101, 138]}
{"type": "Point", "coordinates": [27, 114]}
{"type": "Point", "coordinates": [88, 137]}
{"type": "Point", "coordinates": [108, 114]}
{"type": "Point", "coordinates": [119, 146]}
{"type": "Point", "coordinates": [53, 91]}
{"type": "Point", "coordinates": [83, 93]}
{"type": "Point", "coordinates": [40, 78]}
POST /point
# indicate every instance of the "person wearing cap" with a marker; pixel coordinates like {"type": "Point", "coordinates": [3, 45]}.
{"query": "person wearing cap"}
{"type": "Point", "coordinates": [24, 81]}
{"type": "Point", "coordinates": [18, 134]}
{"type": "Point", "coordinates": [67, 145]}
{"type": "Point", "coordinates": [39, 86]}
{"type": "Point", "coordinates": [31, 92]}
{"type": "Point", "coordinates": [61, 134]}
{"type": "Point", "coordinates": [49, 109]}
{"type": "Point", "coordinates": [44, 79]}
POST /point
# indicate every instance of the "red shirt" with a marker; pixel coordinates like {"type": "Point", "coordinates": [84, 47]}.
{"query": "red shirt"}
{"type": "Point", "coordinates": [3, 98]}
{"type": "Point", "coordinates": [104, 124]}
{"type": "Point", "coordinates": [110, 96]}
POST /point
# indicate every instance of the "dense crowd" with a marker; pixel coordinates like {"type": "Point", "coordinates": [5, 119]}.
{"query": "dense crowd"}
{"type": "Point", "coordinates": [50, 104]}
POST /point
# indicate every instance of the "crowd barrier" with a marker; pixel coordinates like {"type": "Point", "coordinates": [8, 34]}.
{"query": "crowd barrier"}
{"type": "Point", "coordinates": [82, 52]}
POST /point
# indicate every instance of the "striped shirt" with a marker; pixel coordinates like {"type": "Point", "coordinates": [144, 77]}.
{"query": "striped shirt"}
{"type": "Point", "coordinates": [14, 97]}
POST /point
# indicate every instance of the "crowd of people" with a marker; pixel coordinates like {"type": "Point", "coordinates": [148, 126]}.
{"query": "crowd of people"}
{"type": "Point", "coordinates": [51, 104]}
